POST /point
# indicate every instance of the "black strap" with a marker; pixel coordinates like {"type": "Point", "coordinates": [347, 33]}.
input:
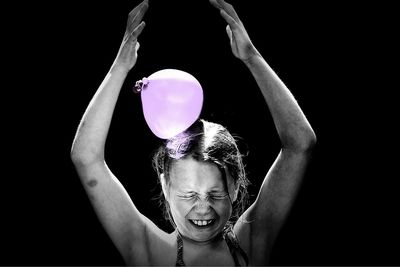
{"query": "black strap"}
{"type": "Point", "coordinates": [231, 241]}
{"type": "Point", "coordinates": [179, 255]}
{"type": "Point", "coordinates": [233, 245]}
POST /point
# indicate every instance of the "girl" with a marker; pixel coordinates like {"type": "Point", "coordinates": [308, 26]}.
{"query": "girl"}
{"type": "Point", "coordinates": [200, 170]}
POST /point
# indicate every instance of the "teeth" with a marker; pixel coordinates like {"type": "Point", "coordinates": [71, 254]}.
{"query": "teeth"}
{"type": "Point", "coordinates": [201, 222]}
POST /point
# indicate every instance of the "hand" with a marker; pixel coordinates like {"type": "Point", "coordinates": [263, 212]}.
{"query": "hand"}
{"type": "Point", "coordinates": [127, 54]}
{"type": "Point", "coordinates": [240, 42]}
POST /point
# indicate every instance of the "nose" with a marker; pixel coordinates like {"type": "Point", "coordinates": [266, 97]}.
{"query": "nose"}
{"type": "Point", "coordinates": [202, 206]}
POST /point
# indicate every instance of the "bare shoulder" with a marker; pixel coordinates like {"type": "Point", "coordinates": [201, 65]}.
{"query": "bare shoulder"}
{"type": "Point", "coordinates": [246, 234]}
{"type": "Point", "coordinates": [258, 227]}
{"type": "Point", "coordinates": [159, 248]}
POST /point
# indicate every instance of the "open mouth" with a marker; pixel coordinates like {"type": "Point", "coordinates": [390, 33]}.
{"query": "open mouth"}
{"type": "Point", "coordinates": [202, 223]}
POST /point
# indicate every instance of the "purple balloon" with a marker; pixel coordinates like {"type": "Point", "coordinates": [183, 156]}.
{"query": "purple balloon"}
{"type": "Point", "coordinates": [172, 101]}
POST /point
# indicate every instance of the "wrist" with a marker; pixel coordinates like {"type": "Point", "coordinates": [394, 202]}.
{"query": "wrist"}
{"type": "Point", "coordinates": [119, 69]}
{"type": "Point", "coordinates": [253, 58]}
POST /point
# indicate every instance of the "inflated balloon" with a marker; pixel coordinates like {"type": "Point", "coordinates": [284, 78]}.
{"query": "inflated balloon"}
{"type": "Point", "coordinates": [172, 101]}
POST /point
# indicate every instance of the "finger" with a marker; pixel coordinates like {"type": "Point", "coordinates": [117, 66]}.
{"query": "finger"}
{"type": "Point", "coordinates": [229, 32]}
{"type": "Point", "coordinates": [137, 31]}
{"type": "Point", "coordinates": [215, 4]}
{"type": "Point", "coordinates": [134, 12]}
{"type": "Point", "coordinates": [135, 18]}
{"type": "Point", "coordinates": [136, 15]}
{"type": "Point", "coordinates": [231, 22]}
{"type": "Point", "coordinates": [137, 8]}
{"type": "Point", "coordinates": [228, 8]}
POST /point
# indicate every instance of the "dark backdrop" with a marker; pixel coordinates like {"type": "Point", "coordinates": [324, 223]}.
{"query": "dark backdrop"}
{"type": "Point", "coordinates": [345, 213]}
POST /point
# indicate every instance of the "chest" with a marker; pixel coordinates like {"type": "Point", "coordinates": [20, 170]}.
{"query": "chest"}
{"type": "Point", "coordinates": [219, 257]}
{"type": "Point", "coordinates": [167, 254]}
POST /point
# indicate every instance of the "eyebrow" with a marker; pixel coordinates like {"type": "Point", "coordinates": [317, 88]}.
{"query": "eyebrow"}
{"type": "Point", "coordinates": [217, 191]}
{"type": "Point", "coordinates": [186, 191]}
{"type": "Point", "coordinates": [193, 192]}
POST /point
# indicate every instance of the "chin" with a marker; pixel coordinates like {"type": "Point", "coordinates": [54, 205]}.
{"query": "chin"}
{"type": "Point", "coordinates": [203, 233]}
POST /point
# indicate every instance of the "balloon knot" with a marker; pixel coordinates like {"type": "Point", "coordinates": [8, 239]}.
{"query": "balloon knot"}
{"type": "Point", "coordinates": [140, 85]}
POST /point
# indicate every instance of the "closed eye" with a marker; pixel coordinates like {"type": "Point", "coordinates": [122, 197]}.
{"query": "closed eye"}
{"type": "Point", "coordinates": [186, 196]}
{"type": "Point", "coordinates": [218, 197]}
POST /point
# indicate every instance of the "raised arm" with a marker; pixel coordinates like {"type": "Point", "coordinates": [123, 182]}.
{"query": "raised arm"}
{"type": "Point", "coordinates": [121, 220]}
{"type": "Point", "coordinates": [282, 181]}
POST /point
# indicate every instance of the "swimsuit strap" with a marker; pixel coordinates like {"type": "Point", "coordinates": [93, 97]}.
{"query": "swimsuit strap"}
{"type": "Point", "coordinates": [179, 254]}
{"type": "Point", "coordinates": [231, 241]}
{"type": "Point", "coordinates": [233, 244]}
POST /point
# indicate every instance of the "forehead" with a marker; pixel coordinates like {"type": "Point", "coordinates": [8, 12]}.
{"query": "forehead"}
{"type": "Point", "coordinates": [190, 174]}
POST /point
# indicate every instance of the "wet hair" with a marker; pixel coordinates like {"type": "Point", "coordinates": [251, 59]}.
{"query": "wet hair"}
{"type": "Point", "coordinates": [208, 142]}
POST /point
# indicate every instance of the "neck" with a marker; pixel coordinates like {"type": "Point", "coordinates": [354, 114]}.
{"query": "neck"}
{"type": "Point", "coordinates": [212, 243]}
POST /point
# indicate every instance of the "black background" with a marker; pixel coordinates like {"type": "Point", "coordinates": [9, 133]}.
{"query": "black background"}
{"type": "Point", "coordinates": [328, 54]}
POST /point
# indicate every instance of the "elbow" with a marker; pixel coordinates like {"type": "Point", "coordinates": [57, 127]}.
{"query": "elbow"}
{"type": "Point", "coordinates": [76, 157]}
{"type": "Point", "coordinates": [302, 143]}
{"type": "Point", "coordinates": [84, 158]}
{"type": "Point", "coordinates": [310, 142]}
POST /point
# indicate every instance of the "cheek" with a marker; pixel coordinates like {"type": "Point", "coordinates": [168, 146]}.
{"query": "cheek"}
{"type": "Point", "coordinates": [223, 209]}
{"type": "Point", "coordinates": [180, 208]}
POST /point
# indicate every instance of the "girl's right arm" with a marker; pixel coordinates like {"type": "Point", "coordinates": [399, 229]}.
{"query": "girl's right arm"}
{"type": "Point", "coordinates": [122, 221]}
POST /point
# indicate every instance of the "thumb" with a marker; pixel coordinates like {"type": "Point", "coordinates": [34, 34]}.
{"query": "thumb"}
{"type": "Point", "coordinates": [229, 32]}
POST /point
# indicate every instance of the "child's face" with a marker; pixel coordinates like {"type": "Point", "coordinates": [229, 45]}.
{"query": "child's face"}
{"type": "Point", "coordinates": [198, 199]}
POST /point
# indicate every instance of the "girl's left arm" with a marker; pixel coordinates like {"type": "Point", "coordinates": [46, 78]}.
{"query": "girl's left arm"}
{"type": "Point", "coordinates": [259, 225]}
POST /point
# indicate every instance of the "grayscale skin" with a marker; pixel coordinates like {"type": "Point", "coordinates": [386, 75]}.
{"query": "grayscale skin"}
{"type": "Point", "coordinates": [138, 239]}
